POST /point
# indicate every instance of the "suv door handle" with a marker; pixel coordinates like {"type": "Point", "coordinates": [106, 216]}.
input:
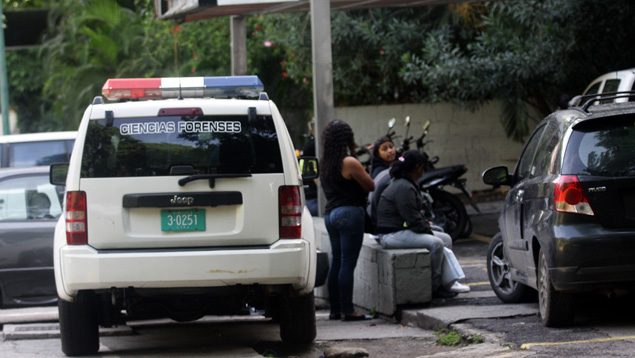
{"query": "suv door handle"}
{"type": "Point", "coordinates": [519, 195]}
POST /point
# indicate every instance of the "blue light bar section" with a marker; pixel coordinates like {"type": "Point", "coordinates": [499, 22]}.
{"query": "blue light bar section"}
{"type": "Point", "coordinates": [233, 86]}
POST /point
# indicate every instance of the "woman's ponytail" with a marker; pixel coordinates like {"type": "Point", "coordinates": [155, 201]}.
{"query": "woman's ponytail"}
{"type": "Point", "coordinates": [405, 164]}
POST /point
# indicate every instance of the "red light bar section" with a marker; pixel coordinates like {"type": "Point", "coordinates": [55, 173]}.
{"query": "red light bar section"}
{"type": "Point", "coordinates": [163, 112]}
{"type": "Point", "coordinates": [116, 88]}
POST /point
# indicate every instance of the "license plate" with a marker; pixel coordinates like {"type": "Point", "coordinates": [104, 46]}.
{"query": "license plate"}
{"type": "Point", "coordinates": [183, 220]}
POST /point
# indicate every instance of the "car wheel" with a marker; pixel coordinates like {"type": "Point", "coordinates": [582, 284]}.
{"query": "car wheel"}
{"type": "Point", "coordinates": [498, 271]}
{"type": "Point", "coordinates": [556, 308]}
{"type": "Point", "coordinates": [79, 326]}
{"type": "Point", "coordinates": [468, 228]}
{"type": "Point", "coordinates": [297, 319]}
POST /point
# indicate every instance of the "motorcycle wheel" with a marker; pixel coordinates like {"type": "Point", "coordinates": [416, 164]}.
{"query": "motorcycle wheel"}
{"type": "Point", "coordinates": [451, 212]}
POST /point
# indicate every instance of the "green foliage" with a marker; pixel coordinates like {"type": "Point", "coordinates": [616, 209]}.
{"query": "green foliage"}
{"type": "Point", "coordinates": [525, 53]}
{"type": "Point", "coordinates": [475, 339]}
{"type": "Point", "coordinates": [448, 338]}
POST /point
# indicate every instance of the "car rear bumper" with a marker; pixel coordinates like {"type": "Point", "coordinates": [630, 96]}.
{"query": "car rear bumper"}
{"type": "Point", "coordinates": [590, 278]}
{"type": "Point", "coordinates": [587, 257]}
{"type": "Point", "coordinates": [84, 268]}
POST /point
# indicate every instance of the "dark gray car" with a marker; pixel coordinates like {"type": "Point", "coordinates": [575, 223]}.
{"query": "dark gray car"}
{"type": "Point", "coordinates": [568, 224]}
{"type": "Point", "coordinates": [29, 209]}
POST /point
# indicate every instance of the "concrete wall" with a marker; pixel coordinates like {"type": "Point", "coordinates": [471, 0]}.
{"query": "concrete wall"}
{"type": "Point", "coordinates": [459, 136]}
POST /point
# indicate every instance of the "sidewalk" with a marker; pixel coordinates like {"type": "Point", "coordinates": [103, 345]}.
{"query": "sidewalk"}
{"type": "Point", "coordinates": [481, 301]}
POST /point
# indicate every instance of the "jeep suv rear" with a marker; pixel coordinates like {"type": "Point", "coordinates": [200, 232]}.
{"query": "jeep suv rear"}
{"type": "Point", "coordinates": [181, 208]}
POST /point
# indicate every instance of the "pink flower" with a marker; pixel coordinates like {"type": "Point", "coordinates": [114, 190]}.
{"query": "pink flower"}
{"type": "Point", "coordinates": [268, 43]}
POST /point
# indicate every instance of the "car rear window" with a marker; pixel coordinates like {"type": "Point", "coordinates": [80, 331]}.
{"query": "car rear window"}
{"type": "Point", "coordinates": [602, 147]}
{"type": "Point", "coordinates": [29, 154]}
{"type": "Point", "coordinates": [152, 146]}
{"type": "Point", "coordinates": [29, 197]}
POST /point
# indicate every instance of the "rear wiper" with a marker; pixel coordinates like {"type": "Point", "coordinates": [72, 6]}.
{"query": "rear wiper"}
{"type": "Point", "coordinates": [212, 178]}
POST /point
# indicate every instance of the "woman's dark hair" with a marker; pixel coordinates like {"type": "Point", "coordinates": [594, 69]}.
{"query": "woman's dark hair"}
{"type": "Point", "coordinates": [405, 164]}
{"type": "Point", "coordinates": [337, 139]}
{"type": "Point", "coordinates": [378, 143]}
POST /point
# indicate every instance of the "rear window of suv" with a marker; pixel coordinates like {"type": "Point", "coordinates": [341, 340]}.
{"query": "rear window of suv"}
{"type": "Point", "coordinates": [602, 147]}
{"type": "Point", "coordinates": [151, 146]}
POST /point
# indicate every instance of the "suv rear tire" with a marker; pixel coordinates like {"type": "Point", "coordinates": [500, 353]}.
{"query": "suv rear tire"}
{"type": "Point", "coordinates": [556, 308]}
{"type": "Point", "coordinates": [297, 318]}
{"type": "Point", "coordinates": [79, 327]}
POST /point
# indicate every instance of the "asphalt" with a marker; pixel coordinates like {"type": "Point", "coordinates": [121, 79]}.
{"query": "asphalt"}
{"type": "Point", "coordinates": [41, 322]}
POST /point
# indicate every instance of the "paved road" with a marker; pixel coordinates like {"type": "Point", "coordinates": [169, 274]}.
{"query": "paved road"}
{"type": "Point", "coordinates": [603, 327]}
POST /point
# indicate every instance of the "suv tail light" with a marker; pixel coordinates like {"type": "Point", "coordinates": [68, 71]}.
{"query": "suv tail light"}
{"type": "Point", "coordinates": [76, 218]}
{"type": "Point", "coordinates": [569, 197]}
{"type": "Point", "coordinates": [290, 212]}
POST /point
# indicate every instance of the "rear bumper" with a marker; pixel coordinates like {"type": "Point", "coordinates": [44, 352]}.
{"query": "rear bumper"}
{"type": "Point", "coordinates": [588, 256]}
{"type": "Point", "coordinates": [591, 278]}
{"type": "Point", "coordinates": [84, 268]}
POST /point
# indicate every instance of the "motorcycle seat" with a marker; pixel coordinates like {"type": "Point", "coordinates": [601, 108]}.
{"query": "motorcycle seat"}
{"type": "Point", "coordinates": [451, 171]}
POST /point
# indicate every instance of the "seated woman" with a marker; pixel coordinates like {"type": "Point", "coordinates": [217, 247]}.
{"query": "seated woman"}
{"type": "Point", "coordinates": [401, 223]}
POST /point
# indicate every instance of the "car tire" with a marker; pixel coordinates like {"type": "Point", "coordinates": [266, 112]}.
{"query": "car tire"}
{"type": "Point", "coordinates": [498, 271]}
{"type": "Point", "coordinates": [79, 326]}
{"type": "Point", "coordinates": [297, 319]}
{"type": "Point", "coordinates": [451, 208]}
{"type": "Point", "coordinates": [556, 308]}
{"type": "Point", "coordinates": [468, 228]}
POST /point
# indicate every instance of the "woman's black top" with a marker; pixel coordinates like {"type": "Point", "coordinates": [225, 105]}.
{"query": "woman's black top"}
{"type": "Point", "coordinates": [378, 165]}
{"type": "Point", "coordinates": [343, 192]}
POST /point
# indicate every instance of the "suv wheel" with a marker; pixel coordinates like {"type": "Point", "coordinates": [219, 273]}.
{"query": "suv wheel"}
{"type": "Point", "coordinates": [556, 308]}
{"type": "Point", "coordinates": [297, 318]}
{"type": "Point", "coordinates": [79, 326]}
{"type": "Point", "coordinates": [498, 271]}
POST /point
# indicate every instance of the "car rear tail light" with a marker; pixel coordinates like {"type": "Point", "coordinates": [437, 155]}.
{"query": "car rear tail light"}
{"type": "Point", "coordinates": [569, 196]}
{"type": "Point", "coordinates": [76, 218]}
{"type": "Point", "coordinates": [290, 212]}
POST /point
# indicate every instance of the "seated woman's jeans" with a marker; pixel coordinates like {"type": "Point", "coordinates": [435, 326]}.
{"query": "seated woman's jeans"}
{"type": "Point", "coordinates": [406, 239]}
{"type": "Point", "coordinates": [345, 226]}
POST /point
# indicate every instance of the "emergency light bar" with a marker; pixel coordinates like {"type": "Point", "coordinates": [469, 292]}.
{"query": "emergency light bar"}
{"type": "Point", "coordinates": [187, 87]}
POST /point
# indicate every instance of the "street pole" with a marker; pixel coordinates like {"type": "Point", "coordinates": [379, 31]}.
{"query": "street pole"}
{"type": "Point", "coordinates": [323, 104]}
{"type": "Point", "coordinates": [4, 85]}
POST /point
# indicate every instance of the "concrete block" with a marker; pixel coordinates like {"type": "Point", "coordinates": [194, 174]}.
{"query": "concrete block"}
{"type": "Point", "coordinates": [384, 279]}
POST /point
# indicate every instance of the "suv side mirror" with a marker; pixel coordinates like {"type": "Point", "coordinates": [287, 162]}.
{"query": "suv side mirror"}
{"type": "Point", "coordinates": [57, 173]}
{"type": "Point", "coordinates": [496, 176]}
{"type": "Point", "coordinates": [309, 167]}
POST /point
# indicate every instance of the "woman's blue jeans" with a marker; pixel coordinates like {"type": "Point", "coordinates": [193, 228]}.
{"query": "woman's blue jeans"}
{"type": "Point", "coordinates": [345, 226]}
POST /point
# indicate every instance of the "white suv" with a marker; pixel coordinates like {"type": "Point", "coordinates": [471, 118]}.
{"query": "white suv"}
{"type": "Point", "coordinates": [616, 81]}
{"type": "Point", "coordinates": [183, 207]}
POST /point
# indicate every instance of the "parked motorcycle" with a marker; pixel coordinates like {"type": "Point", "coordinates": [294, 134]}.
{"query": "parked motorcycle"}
{"type": "Point", "coordinates": [446, 209]}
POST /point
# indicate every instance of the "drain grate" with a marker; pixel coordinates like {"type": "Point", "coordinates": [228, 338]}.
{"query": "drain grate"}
{"type": "Point", "coordinates": [51, 330]}
{"type": "Point", "coordinates": [37, 327]}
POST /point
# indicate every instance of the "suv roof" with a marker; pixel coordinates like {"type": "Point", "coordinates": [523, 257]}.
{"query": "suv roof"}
{"type": "Point", "coordinates": [37, 137]}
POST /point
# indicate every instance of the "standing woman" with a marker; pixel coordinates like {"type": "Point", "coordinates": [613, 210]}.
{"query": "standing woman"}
{"type": "Point", "coordinates": [346, 185]}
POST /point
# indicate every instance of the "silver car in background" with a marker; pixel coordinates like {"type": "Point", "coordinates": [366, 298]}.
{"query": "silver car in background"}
{"type": "Point", "coordinates": [29, 209]}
